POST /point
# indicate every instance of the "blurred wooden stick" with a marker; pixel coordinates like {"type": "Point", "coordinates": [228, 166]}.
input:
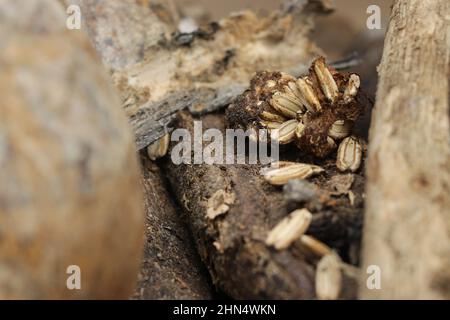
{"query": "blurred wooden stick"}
{"type": "Point", "coordinates": [407, 224]}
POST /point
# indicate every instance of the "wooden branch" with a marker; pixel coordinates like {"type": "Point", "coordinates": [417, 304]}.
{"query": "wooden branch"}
{"type": "Point", "coordinates": [231, 242]}
{"type": "Point", "coordinates": [407, 224]}
{"type": "Point", "coordinates": [159, 71]}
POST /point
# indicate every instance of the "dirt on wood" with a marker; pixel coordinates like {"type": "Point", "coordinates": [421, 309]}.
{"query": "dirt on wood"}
{"type": "Point", "coordinates": [232, 244]}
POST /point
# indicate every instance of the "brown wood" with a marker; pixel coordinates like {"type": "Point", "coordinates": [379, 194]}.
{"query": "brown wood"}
{"type": "Point", "coordinates": [159, 71]}
{"type": "Point", "coordinates": [232, 245]}
{"type": "Point", "coordinates": [407, 225]}
{"type": "Point", "coordinates": [171, 268]}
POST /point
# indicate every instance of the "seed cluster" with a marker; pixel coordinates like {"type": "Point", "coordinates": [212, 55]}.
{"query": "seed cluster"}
{"type": "Point", "coordinates": [314, 111]}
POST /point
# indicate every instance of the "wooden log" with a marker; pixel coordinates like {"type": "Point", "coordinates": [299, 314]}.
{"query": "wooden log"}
{"type": "Point", "coordinates": [407, 225]}
{"type": "Point", "coordinates": [232, 241]}
{"type": "Point", "coordinates": [171, 268]}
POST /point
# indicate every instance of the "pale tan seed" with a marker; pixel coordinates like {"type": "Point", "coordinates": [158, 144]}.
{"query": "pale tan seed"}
{"type": "Point", "coordinates": [280, 164]}
{"type": "Point", "coordinates": [317, 247]}
{"type": "Point", "coordinates": [271, 83]}
{"type": "Point", "coordinates": [293, 90]}
{"type": "Point", "coordinates": [282, 175]}
{"type": "Point", "coordinates": [285, 105]}
{"type": "Point", "coordinates": [299, 130]}
{"type": "Point", "coordinates": [326, 80]}
{"type": "Point", "coordinates": [159, 148]}
{"type": "Point", "coordinates": [270, 116]}
{"type": "Point", "coordinates": [309, 96]}
{"type": "Point", "coordinates": [289, 229]}
{"type": "Point", "coordinates": [340, 129]}
{"type": "Point", "coordinates": [351, 198]}
{"type": "Point", "coordinates": [354, 82]}
{"type": "Point", "coordinates": [349, 154]}
{"type": "Point", "coordinates": [285, 133]}
{"type": "Point", "coordinates": [329, 277]}
{"type": "Point", "coordinates": [286, 77]}
{"type": "Point", "coordinates": [270, 124]}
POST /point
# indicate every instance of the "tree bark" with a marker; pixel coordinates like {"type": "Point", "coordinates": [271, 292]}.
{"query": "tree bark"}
{"type": "Point", "coordinates": [159, 71]}
{"type": "Point", "coordinates": [171, 268]}
{"type": "Point", "coordinates": [407, 224]}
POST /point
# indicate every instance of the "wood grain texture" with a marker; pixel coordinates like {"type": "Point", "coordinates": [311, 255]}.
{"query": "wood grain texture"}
{"type": "Point", "coordinates": [159, 71]}
{"type": "Point", "coordinates": [407, 226]}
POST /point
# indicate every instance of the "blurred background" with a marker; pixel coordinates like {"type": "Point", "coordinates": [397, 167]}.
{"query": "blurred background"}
{"type": "Point", "coordinates": [349, 18]}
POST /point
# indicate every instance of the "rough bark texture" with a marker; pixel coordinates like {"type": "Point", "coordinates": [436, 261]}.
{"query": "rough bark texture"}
{"type": "Point", "coordinates": [69, 178]}
{"type": "Point", "coordinates": [232, 245]}
{"type": "Point", "coordinates": [171, 268]}
{"type": "Point", "coordinates": [407, 226]}
{"type": "Point", "coordinates": [159, 72]}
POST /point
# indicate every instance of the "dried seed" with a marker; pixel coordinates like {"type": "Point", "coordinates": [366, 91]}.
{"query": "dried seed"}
{"type": "Point", "coordinates": [286, 77]}
{"type": "Point", "coordinates": [293, 90]}
{"type": "Point", "coordinates": [310, 99]}
{"type": "Point", "coordinates": [331, 143]}
{"type": "Point", "coordinates": [299, 130]}
{"type": "Point", "coordinates": [159, 148]}
{"type": "Point", "coordinates": [300, 191]}
{"type": "Point", "coordinates": [351, 198]}
{"type": "Point", "coordinates": [289, 229]}
{"type": "Point", "coordinates": [354, 82]}
{"type": "Point", "coordinates": [349, 154]}
{"type": "Point", "coordinates": [285, 133]}
{"type": "Point", "coordinates": [270, 124]}
{"type": "Point", "coordinates": [282, 175]}
{"type": "Point", "coordinates": [270, 116]}
{"type": "Point", "coordinates": [285, 104]}
{"type": "Point", "coordinates": [326, 80]}
{"type": "Point", "coordinates": [329, 277]}
{"type": "Point", "coordinates": [317, 247]}
{"type": "Point", "coordinates": [253, 136]}
{"type": "Point", "coordinates": [340, 129]}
